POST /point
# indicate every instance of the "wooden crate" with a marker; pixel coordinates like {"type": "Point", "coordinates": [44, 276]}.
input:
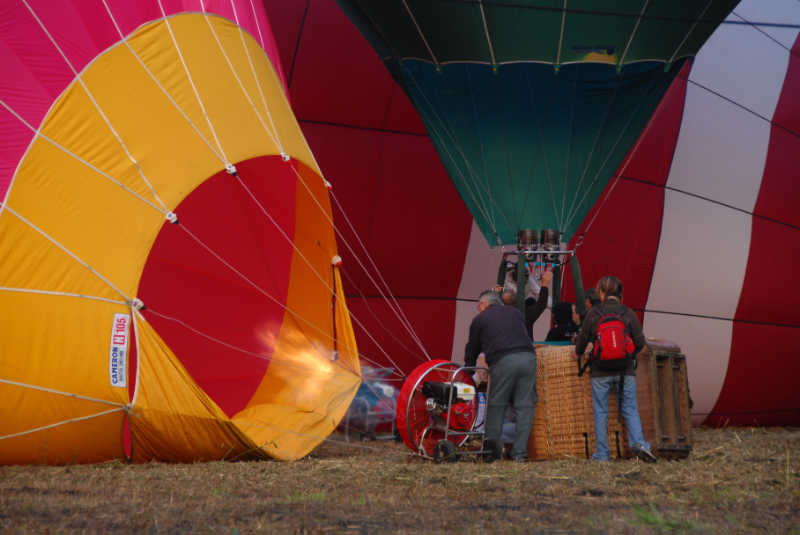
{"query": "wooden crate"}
{"type": "Point", "coordinates": [563, 426]}
{"type": "Point", "coordinates": [662, 368]}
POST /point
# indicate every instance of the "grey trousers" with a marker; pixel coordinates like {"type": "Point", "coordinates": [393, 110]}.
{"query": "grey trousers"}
{"type": "Point", "coordinates": [512, 379]}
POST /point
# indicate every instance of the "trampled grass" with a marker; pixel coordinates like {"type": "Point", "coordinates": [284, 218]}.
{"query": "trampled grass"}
{"type": "Point", "coordinates": [735, 481]}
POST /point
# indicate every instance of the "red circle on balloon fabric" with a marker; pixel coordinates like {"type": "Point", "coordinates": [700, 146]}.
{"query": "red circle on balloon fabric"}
{"type": "Point", "coordinates": [215, 283]}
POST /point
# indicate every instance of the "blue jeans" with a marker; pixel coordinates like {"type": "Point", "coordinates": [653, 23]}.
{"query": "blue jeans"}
{"type": "Point", "coordinates": [601, 388]}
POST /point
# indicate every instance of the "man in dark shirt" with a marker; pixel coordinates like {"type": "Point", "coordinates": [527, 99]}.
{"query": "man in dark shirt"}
{"type": "Point", "coordinates": [499, 332]}
{"type": "Point", "coordinates": [609, 289]}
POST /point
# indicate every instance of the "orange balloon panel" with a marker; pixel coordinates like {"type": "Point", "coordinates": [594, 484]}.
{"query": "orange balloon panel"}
{"type": "Point", "coordinates": [167, 247]}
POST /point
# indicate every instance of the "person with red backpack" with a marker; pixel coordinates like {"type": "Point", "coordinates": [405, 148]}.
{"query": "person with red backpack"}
{"type": "Point", "coordinates": [617, 337]}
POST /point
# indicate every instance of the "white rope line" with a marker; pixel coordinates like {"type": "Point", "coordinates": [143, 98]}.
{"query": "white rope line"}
{"type": "Point", "coordinates": [303, 257]}
{"type": "Point", "coordinates": [479, 200]}
{"type": "Point", "coordinates": [394, 305]}
{"type": "Point", "coordinates": [421, 35]}
{"type": "Point", "coordinates": [97, 107]}
{"type": "Point", "coordinates": [239, 81]}
{"type": "Point", "coordinates": [257, 80]}
{"type": "Point", "coordinates": [441, 125]}
{"type": "Point", "coordinates": [191, 82]}
{"type": "Point", "coordinates": [381, 324]}
{"type": "Point", "coordinates": [62, 393]}
{"type": "Point", "coordinates": [399, 312]}
{"type": "Point", "coordinates": [258, 26]}
{"type": "Point", "coordinates": [191, 123]}
{"type": "Point", "coordinates": [283, 233]}
{"type": "Point", "coordinates": [61, 294]}
{"type": "Point", "coordinates": [68, 252]}
{"type": "Point", "coordinates": [273, 299]}
{"type": "Point", "coordinates": [563, 213]}
{"type": "Point", "coordinates": [619, 175]}
{"type": "Point", "coordinates": [549, 179]}
{"type": "Point", "coordinates": [71, 154]}
{"type": "Point", "coordinates": [573, 213]}
{"type": "Point", "coordinates": [63, 422]}
{"type": "Point", "coordinates": [207, 336]}
{"type": "Point", "coordinates": [590, 156]}
{"type": "Point", "coordinates": [486, 31]}
{"type": "Point", "coordinates": [286, 364]}
{"type": "Point", "coordinates": [561, 34]}
{"type": "Point", "coordinates": [633, 34]}
{"type": "Point", "coordinates": [691, 29]}
{"type": "Point", "coordinates": [486, 182]}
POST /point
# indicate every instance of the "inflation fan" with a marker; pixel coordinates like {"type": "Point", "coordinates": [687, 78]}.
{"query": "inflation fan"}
{"type": "Point", "coordinates": [439, 415]}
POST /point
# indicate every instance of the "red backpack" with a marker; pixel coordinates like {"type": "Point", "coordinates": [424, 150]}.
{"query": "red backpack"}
{"type": "Point", "coordinates": [613, 346]}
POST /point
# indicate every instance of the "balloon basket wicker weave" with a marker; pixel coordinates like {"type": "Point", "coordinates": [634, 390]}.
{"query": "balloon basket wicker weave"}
{"type": "Point", "coordinates": [563, 425]}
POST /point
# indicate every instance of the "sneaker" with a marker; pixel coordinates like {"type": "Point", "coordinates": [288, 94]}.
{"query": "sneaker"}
{"type": "Point", "coordinates": [644, 453]}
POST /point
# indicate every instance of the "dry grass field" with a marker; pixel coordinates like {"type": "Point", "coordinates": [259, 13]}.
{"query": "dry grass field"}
{"type": "Point", "coordinates": [737, 480]}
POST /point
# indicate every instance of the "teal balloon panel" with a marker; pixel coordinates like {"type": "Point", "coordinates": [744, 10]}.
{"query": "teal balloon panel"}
{"type": "Point", "coordinates": [529, 147]}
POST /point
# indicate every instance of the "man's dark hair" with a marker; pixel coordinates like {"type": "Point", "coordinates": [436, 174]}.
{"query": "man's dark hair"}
{"type": "Point", "coordinates": [593, 297]}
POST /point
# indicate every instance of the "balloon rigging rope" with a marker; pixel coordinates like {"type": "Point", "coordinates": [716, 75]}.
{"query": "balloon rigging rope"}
{"type": "Point", "coordinates": [64, 422]}
{"type": "Point", "coordinates": [308, 263]}
{"type": "Point", "coordinates": [299, 368]}
{"type": "Point", "coordinates": [269, 132]}
{"type": "Point", "coordinates": [619, 175]}
{"type": "Point", "coordinates": [68, 252]}
{"type": "Point", "coordinates": [561, 34]}
{"type": "Point", "coordinates": [257, 80]}
{"type": "Point", "coordinates": [485, 182]}
{"type": "Point", "coordinates": [691, 29]}
{"type": "Point", "coordinates": [37, 133]}
{"type": "Point", "coordinates": [267, 294]}
{"type": "Point", "coordinates": [62, 393]}
{"type": "Point", "coordinates": [562, 213]}
{"type": "Point", "coordinates": [472, 175]}
{"type": "Point", "coordinates": [258, 26]}
{"type": "Point", "coordinates": [633, 33]}
{"type": "Point", "coordinates": [276, 141]}
{"type": "Point", "coordinates": [573, 213]}
{"type": "Point", "coordinates": [191, 82]}
{"type": "Point", "coordinates": [472, 184]}
{"type": "Point", "coordinates": [62, 294]}
{"type": "Point", "coordinates": [423, 358]}
{"type": "Point", "coordinates": [393, 304]}
{"type": "Point", "coordinates": [97, 106]}
{"type": "Point", "coordinates": [163, 212]}
{"type": "Point", "coordinates": [597, 136]}
{"type": "Point", "coordinates": [421, 35]}
{"type": "Point", "coordinates": [486, 32]}
{"type": "Point", "coordinates": [152, 76]}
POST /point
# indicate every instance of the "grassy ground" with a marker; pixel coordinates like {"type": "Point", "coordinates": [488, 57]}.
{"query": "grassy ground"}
{"type": "Point", "coordinates": [735, 481]}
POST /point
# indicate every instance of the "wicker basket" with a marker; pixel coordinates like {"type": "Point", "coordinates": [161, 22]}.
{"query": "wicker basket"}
{"type": "Point", "coordinates": [563, 426]}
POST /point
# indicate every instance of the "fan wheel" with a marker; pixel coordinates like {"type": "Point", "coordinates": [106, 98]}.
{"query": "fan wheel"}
{"type": "Point", "coordinates": [418, 427]}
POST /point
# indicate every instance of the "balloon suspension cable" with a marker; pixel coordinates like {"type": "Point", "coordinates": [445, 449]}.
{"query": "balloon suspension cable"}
{"type": "Point", "coordinates": [388, 297]}
{"type": "Point", "coordinates": [307, 262]}
{"type": "Point", "coordinates": [272, 134]}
